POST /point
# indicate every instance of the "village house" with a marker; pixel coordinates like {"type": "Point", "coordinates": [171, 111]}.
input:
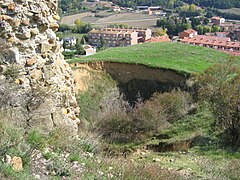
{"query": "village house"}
{"type": "Point", "coordinates": [71, 41]}
{"type": "Point", "coordinates": [90, 50]}
{"type": "Point", "coordinates": [187, 33]}
{"type": "Point", "coordinates": [217, 20]}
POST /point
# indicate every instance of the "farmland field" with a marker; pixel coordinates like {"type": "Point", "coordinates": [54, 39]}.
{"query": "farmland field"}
{"type": "Point", "coordinates": [131, 19]}
{"type": "Point", "coordinates": [232, 10]}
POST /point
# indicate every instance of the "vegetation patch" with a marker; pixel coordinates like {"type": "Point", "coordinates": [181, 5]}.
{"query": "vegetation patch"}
{"type": "Point", "coordinates": [175, 56]}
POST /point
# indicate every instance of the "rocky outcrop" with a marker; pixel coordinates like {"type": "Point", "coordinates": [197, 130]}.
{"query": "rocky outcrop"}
{"type": "Point", "coordinates": [36, 85]}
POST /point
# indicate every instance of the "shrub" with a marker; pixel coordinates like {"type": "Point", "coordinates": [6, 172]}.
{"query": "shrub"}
{"type": "Point", "coordinates": [146, 119]}
{"type": "Point", "coordinates": [220, 86]}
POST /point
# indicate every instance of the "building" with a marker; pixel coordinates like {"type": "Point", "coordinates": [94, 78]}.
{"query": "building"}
{"type": "Point", "coordinates": [159, 39]}
{"type": "Point", "coordinates": [219, 43]}
{"type": "Point", "coordinates": [115, 37]}
{"type": "Point", "coordinates": [238, 35]}
{"type": "Point", "coordinates": [187, 33]}
{"type": "Point", "coordinates": [116, 9]}
{"type": "Point", "coordinates": [229, 34]}
{"type": "Point", "coordinates": [69, 41]}
{"type": "Point", "coordinates": [90, 50]}
{"type": "Point", "coordinates": [217, 20]}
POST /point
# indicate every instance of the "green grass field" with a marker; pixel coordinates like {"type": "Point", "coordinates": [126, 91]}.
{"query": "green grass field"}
{"type": "Point", "coordinates": [176, 56]}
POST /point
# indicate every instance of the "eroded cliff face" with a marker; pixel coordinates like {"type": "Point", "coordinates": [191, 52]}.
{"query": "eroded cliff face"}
{"type": "Point", "coordinates": [136, 82]}
{"type": "Point", "coordinates": [36, 84]}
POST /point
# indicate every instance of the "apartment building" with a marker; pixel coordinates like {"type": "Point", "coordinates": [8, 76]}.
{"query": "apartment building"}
{"type": "Point", "coordinates": [143, 34]}
{"type": "Point", "coordinates": [113, 38]}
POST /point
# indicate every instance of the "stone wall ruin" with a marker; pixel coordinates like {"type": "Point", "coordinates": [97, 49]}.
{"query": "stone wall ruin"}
{"type": "Point", "coordinates": [36, 84]}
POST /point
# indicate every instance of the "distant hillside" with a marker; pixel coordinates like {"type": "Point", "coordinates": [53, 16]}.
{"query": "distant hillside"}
{"type": "Point", "coordinates": [221, 4]}
{"type": "Point", "coordinates": [175, 56]}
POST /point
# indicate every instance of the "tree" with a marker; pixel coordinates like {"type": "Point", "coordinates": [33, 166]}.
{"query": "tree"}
{"type": "Point", "coordinates": [220, 87]}
{"type": "Point", "coordinates": [83, 41]}
{"type": "Point", "coordinates": [160, 32]}
{"type": "Point", "coordinates": [79, 48]}
{"type": "Point", "coordinates": [103, 42]}
{"type": "Point", "coordinates": [64, 45]}
{"type": "Point", "coordinates": [216, 28]}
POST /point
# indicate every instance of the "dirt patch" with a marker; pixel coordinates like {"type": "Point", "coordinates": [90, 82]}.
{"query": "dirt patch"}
{"type": "Point", "coordinates": [81, 77]}
{"type": "Point", "coordinates": [175, 146]}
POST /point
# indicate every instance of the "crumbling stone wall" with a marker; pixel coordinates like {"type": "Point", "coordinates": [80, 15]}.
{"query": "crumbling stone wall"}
{"type": "Point", "coordinates": [36, 84]}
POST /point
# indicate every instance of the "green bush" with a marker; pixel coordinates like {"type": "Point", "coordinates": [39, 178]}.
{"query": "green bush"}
{"type": "Point", "coordinates": [220, 87]}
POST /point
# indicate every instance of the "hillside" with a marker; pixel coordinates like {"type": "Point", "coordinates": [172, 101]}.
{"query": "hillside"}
{"type": "Point", "coordinates": [174, 56]}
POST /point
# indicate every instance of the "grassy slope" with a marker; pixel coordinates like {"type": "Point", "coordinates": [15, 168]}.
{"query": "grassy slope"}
{"type": "Point", "coordinates": [175, 56]}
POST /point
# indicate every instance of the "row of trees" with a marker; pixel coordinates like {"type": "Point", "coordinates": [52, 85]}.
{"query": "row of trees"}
{"type": "Point", "coordinates": [79, 27]}
{"type": "Point", "coordinates": [174, 25]}
{"type": "Point", "coordinates": [221, 4]}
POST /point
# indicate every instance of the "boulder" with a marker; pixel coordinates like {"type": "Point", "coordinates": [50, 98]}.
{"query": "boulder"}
{"type": "Point", "coordinates": [16, 163]}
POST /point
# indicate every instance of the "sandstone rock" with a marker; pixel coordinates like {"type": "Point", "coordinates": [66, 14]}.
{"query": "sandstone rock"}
{"type": "Point", "coordinates": [56, 17]}
{"type": "Point", "coordinates": [54, 26]}
{"type": "Point", "coordinates": [5, 17]}
{"type": "Point", "coordinates": [15, 22]}
{"type": "Point", "coordinates": [42, 122]}
{"type": "Point", "coordinates": [34, 31]}
{"type": "Point", "coordinates": [9, 56]}
{"type": "Point", "coordinates": [2, 69]}
{"type": "Point", "coordinates": [26, 22]}
{"type": "Point", "coordinates": [45, 47]}
{"type": "Point", "coordinates": [11, 7]}
{"type": "Point", "coordinates": [31, 61]}
{"type": "Point", "coordinates": [36, 74]}
{"type": "Point", "coordinates": [7, 159]}
{"type": "Point", "coordinates": [16, 163]}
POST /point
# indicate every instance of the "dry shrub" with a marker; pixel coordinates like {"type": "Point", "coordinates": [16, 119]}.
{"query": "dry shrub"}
{"type": "Point", "coordinates": [146, 119]}
{"type": "Point", "coordinates": [175, 104]}
{"type": "Point", "coordinates": [146, 171]}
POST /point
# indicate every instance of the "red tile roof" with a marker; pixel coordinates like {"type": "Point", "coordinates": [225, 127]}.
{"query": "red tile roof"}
{"type": "Point", "coordinates": [206, 40]}
{"type": "Point", "coordinates": [189, 31]}
{"type": "Point", "coordinates": [159, 39]}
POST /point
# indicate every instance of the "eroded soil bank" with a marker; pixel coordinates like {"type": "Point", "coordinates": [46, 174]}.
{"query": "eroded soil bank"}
{"type": "Point", "coordinates": [136, 82]}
